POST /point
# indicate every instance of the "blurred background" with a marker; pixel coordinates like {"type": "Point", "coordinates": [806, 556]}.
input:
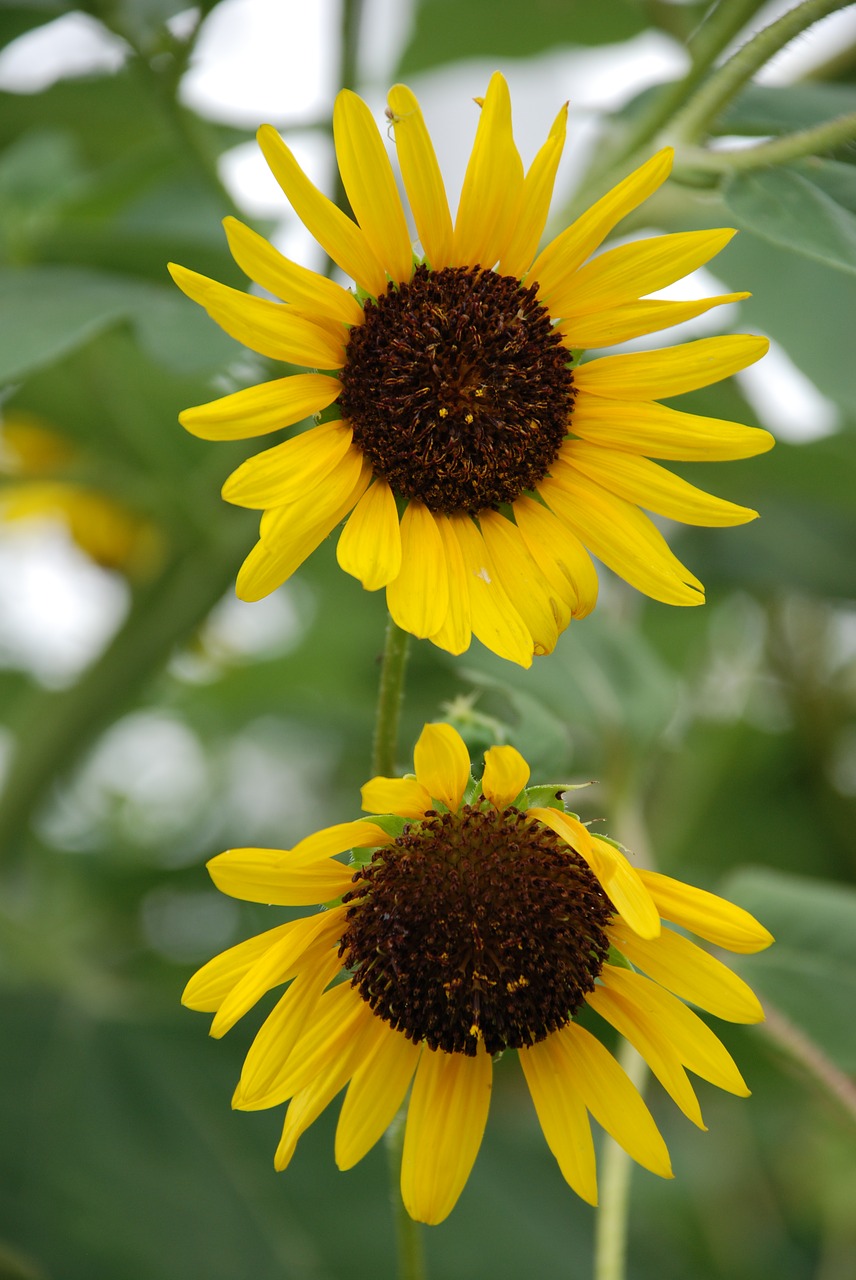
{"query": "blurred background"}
{"type": "Point", "coordinates": [149, 720]}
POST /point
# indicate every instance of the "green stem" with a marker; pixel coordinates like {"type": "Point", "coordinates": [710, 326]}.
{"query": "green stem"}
{"type": "Point", "coordinates": [807, 142]}
{"type": "Point", "coordinates": [389, 700]}
{"type": "Point", "coordinates": [610, 1239]}
{"type": "Point", "coordinates": [725, 83]}
{"type": "Point", "coordinates": [408, 1234]}
{"type": "Point", "coordinates": [802, 1049]}
{"type": "Point", "coordinates": [719, 29]}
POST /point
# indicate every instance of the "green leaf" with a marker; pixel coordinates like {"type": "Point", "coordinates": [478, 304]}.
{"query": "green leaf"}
{"type": "Point", "coordinates": [809, 973]}
{"type": "Point", "coordinates": [783, 206]}
{"type": "Point", "coordinates": [447, 31]}
{"type": "Point", "coordinates": [764, 109]}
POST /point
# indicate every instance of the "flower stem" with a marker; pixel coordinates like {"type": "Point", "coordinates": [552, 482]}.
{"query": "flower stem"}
{"type": "Point", "coordinates": [610, 1238]}
{"type": "Point", "coordinates": [793, 146]}
{"type": "Point", "coordinates": [714, 95]}
{"type": "Point", "coordinates": [411, 1254]}
{"type": "Point", "coordinates": [389, 700]}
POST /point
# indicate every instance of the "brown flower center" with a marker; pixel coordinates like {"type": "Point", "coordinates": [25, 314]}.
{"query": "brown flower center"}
{"type": "Point", "coordinates": [476, 924]}
{"type": "Point", "coordinates": [458, 388]}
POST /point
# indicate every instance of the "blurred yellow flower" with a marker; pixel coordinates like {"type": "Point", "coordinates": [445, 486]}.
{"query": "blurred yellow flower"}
{"type": "Point", "coordinates": [31, 455]}
{"type": "Point", "coordinates": [480, 921]}
{"type": "Point", "coordinates": [478, 464]}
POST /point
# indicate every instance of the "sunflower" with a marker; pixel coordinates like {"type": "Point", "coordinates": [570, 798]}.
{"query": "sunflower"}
{"type": "Point", "coordinates": [476, 919]}
{"type": "Point", "coordinates": [478, 462]}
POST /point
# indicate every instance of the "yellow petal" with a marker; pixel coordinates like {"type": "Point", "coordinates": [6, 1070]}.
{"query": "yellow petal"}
{"type": "Point", "coordinates": [682, 967]}
{"type": "Point", "coordinates": [418, 598]}
{"type": "Point", "coordinates": [535, 201]}
{"type": "Point", "coordinates": [337, 234]}
{"type": "Point", "coordinates": [288, 470]}
{"type": "Point", "coordinates": [255, 411]}
{"type": "Point", "coordinates": [649, 1040]}
{"type": "Point", "coordinates": [312, 293]}
{"type": "Point", "coordinates": [423, 180]}
{"type": "Point", "coordinates": [271, 328]}
{"type": "Point", "coordinates": [691, 1039]}
{"type": "Point", "coordinates": [559, 553]}
{"type": "Point", "coordinates": [368, 1111]}
{"type": "Point", "coordinates": [210, 985]}
{"type": "Point", "coordinates": [339, 1019]}
{"type": "Point", "coordinates": [456, 632]}
{"type": "Point", "coordinates": [561, 1113]}
{"type": "Point", "coordinates": [274, 876]}
{"type": "Point", "coordinates": [279, 1032]}
{"type": "Point", "coordinates": [369, 546]}
{"type": "Point", "coordinates": [653, 375]}
{"type": "Point", "coordinates": [370, 186]}
{"type": "Point", "coordinates": [648, 485]}
{"type": "Point", "coordinates": [564, 254]}
{"type": "Point", "coordinates": [300, 527]}
{"type": "Point", "coordinates": [308, 1103]}
{"type": "Point", "coordinates": [338, 839]}
{"type": "Point", "coordinates": [625, 889]}
{"type": "Point", "coordinates": [568, 827]}
{"type": "Point", "coordinates": [711, 917]}
{"type": "Point", "coordinates": [277, 965]}
{"type": "Point", "coordinates": [622, 537]}
{"type": "Point", "coordinates": [620, 324]}
{"type": "Point", "coordinates": [495, 620]}
{"type": "Point", "coordinates": [505, 775]}
{"type": "Point", "coordinates": [493, 185]}
{"type": "Point", "coordinates": [442, 764]}
{"type": "Point", "coordinates": [613, 1100]}
{"type": "Point", "coordinates": [622, 275]}
{"type": "Point", "coordinates": [541, 609]}
{"type": "Point", "coordinates": [445, 1123]}
{"type": "Point", "coordinates": [404, 796]}
{"type": "Point", "coordinates": [643, 427]}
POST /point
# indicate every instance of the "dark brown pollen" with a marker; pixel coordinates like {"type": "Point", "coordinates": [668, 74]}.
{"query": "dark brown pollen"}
{"type": "Point", "coordinates": [458, 388]}
{"type": "Point", "coordinates": [474, 925]}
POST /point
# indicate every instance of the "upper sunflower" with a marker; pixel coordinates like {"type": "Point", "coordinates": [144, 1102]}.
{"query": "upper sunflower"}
{"type": "Point", "coordinates": [477, 462]}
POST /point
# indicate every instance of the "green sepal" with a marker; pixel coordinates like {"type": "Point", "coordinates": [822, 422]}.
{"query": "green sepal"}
{"type": "Point", "coordinates": [548, 796]}
{"type": "Point", "coordinates": [472, 790]}
{"type": "Point", "coordinates": [392, 823]}
{"type": "Point", "coordinates": [618, 960]}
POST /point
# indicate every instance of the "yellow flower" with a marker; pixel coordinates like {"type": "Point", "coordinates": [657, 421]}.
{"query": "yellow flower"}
{"type": "Point", "coordinates": [33, 456]}
{"type": "Point", "coordinates": [476, 920]}
{"type": "Point", "coordinates": [478, 464]}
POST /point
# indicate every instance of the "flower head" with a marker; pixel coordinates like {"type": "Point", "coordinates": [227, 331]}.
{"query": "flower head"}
{"type": "Point", "coordinates": [476, 920]}
{"type": "Point", "coordinates": [478, 462]}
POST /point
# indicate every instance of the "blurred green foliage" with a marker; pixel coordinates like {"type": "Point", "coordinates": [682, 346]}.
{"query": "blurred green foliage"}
{"type": "Point", "coordinates": [725, 736]}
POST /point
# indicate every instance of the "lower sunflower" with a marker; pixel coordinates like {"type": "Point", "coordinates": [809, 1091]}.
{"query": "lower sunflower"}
{"type": "Point", "coordinates": [476, 920]}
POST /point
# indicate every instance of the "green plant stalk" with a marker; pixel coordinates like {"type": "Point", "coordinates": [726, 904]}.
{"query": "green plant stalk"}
{"type": "Point", "coordinates": [411, 1254]}
{"type": "Point", "coordinates": [714, 95]}
{"type": "Point", "coordinates": [793, 146]}
{"type": "Point", "coordinates": [610, 1233]}
{"type": "Point", "coordinates": [389, 696]}
{"type": "Point", "coordinates": [724, 23]}
{"type": "Point", "coordinates": [56, 728]}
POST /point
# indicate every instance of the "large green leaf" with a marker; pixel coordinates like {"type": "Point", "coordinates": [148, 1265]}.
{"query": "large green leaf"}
{"type": "Point", "coordinates": [809, 974]}
{"type": "Point", "coordinates": [448, 31]}
{"type": "Point", "coordinates": [764, 109]}
{"type": "Point", "coordinates": [784, 206]}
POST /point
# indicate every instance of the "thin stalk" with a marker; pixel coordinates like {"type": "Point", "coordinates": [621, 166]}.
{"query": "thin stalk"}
{"type": "Point", "coordinates": [807, 142]}
{"type": "Point", "coordinates": [726, 82]}
{"type": "Point", "coordinates": [704, 47]}
{"type": "Point", "coordinates": [802, 1049]}
{"type": "Point", "coordinates": [408, 1234]}
{"type": "Point", "coordinates": [389, 698]}
{"type": "Point", "coordinates": [610, 1237]}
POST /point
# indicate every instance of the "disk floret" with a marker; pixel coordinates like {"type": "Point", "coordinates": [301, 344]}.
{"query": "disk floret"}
{"type": "Point", "coordinates": [476, 924]}
{"type": "Point", "coordinates": [458, 388]}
